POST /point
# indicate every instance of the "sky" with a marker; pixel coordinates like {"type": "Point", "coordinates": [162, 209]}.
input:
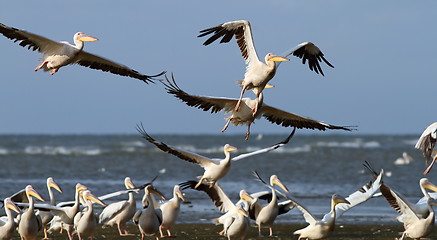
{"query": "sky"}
{"type": "Point", "coordinates": [384, 80]}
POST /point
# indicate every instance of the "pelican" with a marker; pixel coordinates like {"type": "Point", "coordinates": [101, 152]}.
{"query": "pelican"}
{"type": "Point", "coordinates": [118, 213]}
{"type": "Point", "coordinates": [265, 215]}
{"type": "Point", "coordinates": [30, 224]}
{"type": "Point", "coordinates": [258, 74]}
{"type": "Point", "coordinates": [85, 223]}
{"type": "Point", "coordinates": [215, 169]}
{"type": "Point", "coordinates": [245, 114]}
{"type": "Point", "coordinates": [235, 218]}
{"type": "Point", "coordinates": [59, 54]}
{"type": "Point", "coordinates": [7, 226]}
{"type": "Point", "coordinates": [170, 211]}
{"type": "Point", "coordinates": [148, 220]}
{"type": "Point", "coordinates": [427, 142]}
{"type": "Point", "coordinates": [404, 160]}
{"type": "Point", "coordinates": [47, 216]}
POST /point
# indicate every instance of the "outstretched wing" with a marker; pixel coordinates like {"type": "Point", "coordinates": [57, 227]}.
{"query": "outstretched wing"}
{"type": "Point", "coordinates": [268, 149]}
{"type": "Point", "coordinates": [307, 51]}
{"type": "Point", "coordinates": [427, 141]}
{"type": "Point", "coordinates": [287, 119]}
{"type": "Point", "coordinates": [242, 32]}
{"type": "Point", "coordinates": [95, 62]}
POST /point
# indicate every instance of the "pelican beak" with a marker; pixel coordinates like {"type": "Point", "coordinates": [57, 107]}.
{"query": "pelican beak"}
{"type": "Point", "coordinates": [80, 188]}
{"type": "Point", "coordinates": [129, 184]}
{"type": "Point", "coordinates": [276, 58]}
{"type": "Point", "coordinates": [268, 85]}
{"type": "Point", "coordinates": [95, 199]}
{"type": "Point", "coordinates": [155, 191]}
{"type": "Point", "coordinates": [12, 206]}
{"type": "Point", "coordinates": [179, 194]}
{"type": "Point", "coordinates": [430, 186]}
{"type": "Point", "coordinates": [243, 212]}
{"type": "Point", "coordinates": [86, 38]}
{"type": "Point", "coordinates": [245, 196]}
{"type": "Point", "coordinates": [279, 183]}
{"type": "Point", "coordinates": [339, 199]}
{"type": "Point", "coordinates": [54, 185]}
{"type": "Point", "coordinates": [32, 192]}
{"type": "Point", "coordinates": [230, 148]}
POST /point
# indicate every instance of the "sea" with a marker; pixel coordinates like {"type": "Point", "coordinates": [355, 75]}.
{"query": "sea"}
{"type": "Point", "coordinates": [313, 167]}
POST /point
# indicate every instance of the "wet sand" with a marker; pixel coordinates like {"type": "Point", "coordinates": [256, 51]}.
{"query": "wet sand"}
{"type": "Point", "coordinates": [280, 231]}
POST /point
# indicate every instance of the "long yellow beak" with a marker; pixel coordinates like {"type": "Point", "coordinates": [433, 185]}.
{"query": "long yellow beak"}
{"type": "Point", "coordinates": [242, 212]}
{"type": "Point", "coordinates": [268, 85]}
{"type": "Point", "coordinates": [230, 148]}
{"type": "Point", "coordinates": [430, 186]}
{"type": "Point", "coordinates": [280, 184]}
{"type": "Point", "coordinates": [95, 199]}
{"type": "Point", "coordinates": [128, 183]}
{"type": "Point", "coordinates": [245, 196]}
{"type": "Point", "coordinates": [11, 205]}
{"type": "Point", "coordinates": [86, 38]}
{"type": "Point", "coordinates": [276, 58]}
{"type": "Point", "coordinates": [179, 194]}
{"type": "Point", "coordinates": [54, 185]}
{"type": "Point", "coordinates": [31, 192]}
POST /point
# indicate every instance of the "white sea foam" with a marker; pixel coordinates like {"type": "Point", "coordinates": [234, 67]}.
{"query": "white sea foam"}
{"type": "Point", "coordinates": [61, 150]}
{"type": "Point", "coordinates": [358, 143]}
{"type": "Point", "coordinates": [4, 151]}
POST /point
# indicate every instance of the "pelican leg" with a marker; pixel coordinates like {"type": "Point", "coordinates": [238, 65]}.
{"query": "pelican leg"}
{"type": "Point", "coordinates": [168, 232]}
{"type": "Point", "coordinates": [222, 232]}
{"type": "Point", "coordinates": [45, 233]}
{"type": "Point", "coordinates": [259, 231]}
{"type": "Point", "coordinates": [70, 235]}
{"type": "Point", "coordinates": [227, 124]}
{"type": "Point", "coordinates": [248, 132]}
{"type": "Point", "coordinates": [123, 231]}
{"type": "Point", "coordinates": [54, 71]}
{"type": "Point", "coordinates": [239, 100]}
{"type": "Point", "coordinates": [143, 236]}
{"type": "Point", "coordinates": [40, 66]}
{"type": "Point", "coordinates": [198, 184]}
{"type": "Point", "coordinates": [160, 231]}
{"type": "Point", "coordinates": [271, 231]}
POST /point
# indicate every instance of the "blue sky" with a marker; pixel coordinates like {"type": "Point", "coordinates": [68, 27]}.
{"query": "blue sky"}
{"type": "Point", "coordinates": [384, 78]}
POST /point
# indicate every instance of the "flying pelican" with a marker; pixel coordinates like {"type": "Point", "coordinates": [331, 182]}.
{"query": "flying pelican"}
{"type": "Point", "coordinates": [30, 224]}
{"type": "Point", "coordinates": [7, 226]}
{"type": "Point", "coordinates": [235, 218]}
{"type": "Point", "coordinates": [148, 220]}
{"type": "Point", "coordinates": [47, 216]}
{"type": "Point", "coordinates": [258, 74]}
{"type": "Point", "coordinates": [214, 168]}
{"type": "Point", "coordinates": [118, 213]}
{"type": "Point", "coordinates": [427, 142]}
{"type": "Point", "coordinates": [170, 210]}
{"type": "Point", "coordinates": [319, 229]}
{"type": "Point", "coordinates": [245, 114]}
{"type": "Point", "coordinates": [59, 54]}
{"type": "Point", "coordinates": [85, 223]}
{"type": "Point", "coordinates": [265, 215]}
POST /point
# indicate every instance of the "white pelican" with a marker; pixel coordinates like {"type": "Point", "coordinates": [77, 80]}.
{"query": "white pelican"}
{"type": "Point", "coordinates": [404, 160]}
{"type": "Point", "coordinates": [47, 216]}
{"type": "Point", "coordinates": [118, 213]}
{"type": "Point", "coordinates": [170, 211]}
{"type": "Point", "coordinates": [30, 224]}
{"type": "Point", "coordinates": [245, 114]}
{"type": "Point", "coordinates": [265, 215]}
{"type": "Point", "coordinates": [148, 220]}
{"type": "Point", "coordinates": [235, 218]}
{"type": "Point", "coordinates": [85, 222]}
{"type": "Point", "coordinates": [258, 74]}
{"type": "Point", "coordinates": [8, 225]}
{"type": "Point", "coordinates": [59, 54]}
{"type": "Point", "coordinates": [215, 169]}
{"type": "Point", "coordinates": [427, 142]}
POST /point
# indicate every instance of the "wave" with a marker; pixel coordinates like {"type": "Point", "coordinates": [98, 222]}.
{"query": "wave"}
{"type": "Point", "coordinates": [353, 144]}
{"type": "Point", "coordinates": [61, 150]}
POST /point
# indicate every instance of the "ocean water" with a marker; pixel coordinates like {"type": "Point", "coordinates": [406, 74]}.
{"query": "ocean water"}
{"type": "Point", "coordinates": [312, 166]}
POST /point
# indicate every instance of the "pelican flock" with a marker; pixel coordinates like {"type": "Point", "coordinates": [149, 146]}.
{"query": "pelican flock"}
{"type": "Point", "coordinates": [79, 217]}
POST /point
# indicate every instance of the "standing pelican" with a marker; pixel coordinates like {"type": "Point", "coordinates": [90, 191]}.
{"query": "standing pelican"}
{"type": "Point", "coordinates": [85, 223]}
{"type": "Point", "coordinates": [59, 54]}
{"type": "Point", "coordinates": [215, 169]}
{"type": "Point", "coordinates": [258, 74]}
{"type": "Point", "coordinates": [47, 216]}
{"type": "Point", "coordinates": [148, 220]}
{"type": "Point", "coordinates": [265, 215]}
{"type": "Point", "coordinates": [30, 224]}
{"type": "Point", "coordinates": [170, 211]}
{"type": "Point", "coordinates": [245, 114]}
{"type": "Point", "coordinates": [7, 226]}
{"type": "Point", "coordinates": [235, 218]}
{"type": "Point", "coordinates": [427, 142]}
{"type": "Point", "coordinates": [119, 213]}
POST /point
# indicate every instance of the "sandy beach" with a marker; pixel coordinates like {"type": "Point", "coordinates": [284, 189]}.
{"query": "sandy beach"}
{"type": "Point", "coordinates": [280, 231]}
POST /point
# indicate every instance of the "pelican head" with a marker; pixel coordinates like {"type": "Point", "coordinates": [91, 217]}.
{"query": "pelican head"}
{"type": "Point", "coordinates": [424, 182]}
{"type": "Point", "coordinates": [229, 148]}
{"type": "Point", "coordinates": [87, 195]}
{"type": "Point", "coordinates": [84, 38]}
{"type": "Point", "coordinates": [242, 211]}
{"type": "Point", "coordinates": [32, 192]}
{"type": "Point", "coordinates": [80, 188]}
{"type": "Point", "coordinates": [51, 183]}
{"type": "Point", "coordinates": [275, 180]}
{"type": "Point", "coordinates": [151, 189]}
{"type": "Point", "coordinates": [9, 204]}
{"type": "Point", "coordinates": [128, 183]}
{"type": "Point", "coordinates": [177, 192]}
{"type": "Point", "coordinates": [275, 58]}
{"type": "Point", "coordinates": [336, 199]}
{"type": "Point", "coordinates": [245, 196]}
